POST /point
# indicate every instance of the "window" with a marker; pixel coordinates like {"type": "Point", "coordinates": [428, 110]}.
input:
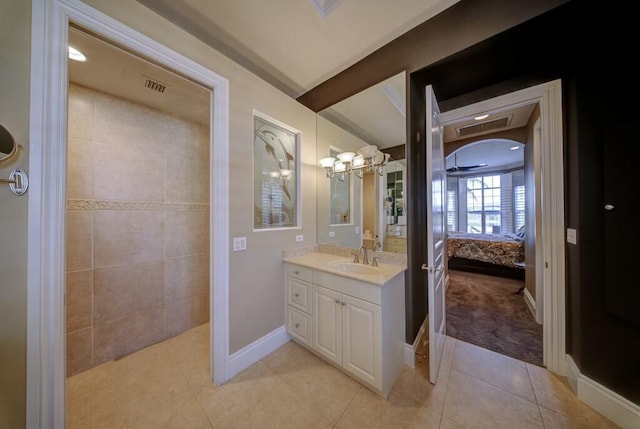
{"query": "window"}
{"type": "Point", "coordinates": [483, 204]}
{"type": "Point", "coordinates": [519, 207]}
{"type": "Point", "coordinates": [452, 211]}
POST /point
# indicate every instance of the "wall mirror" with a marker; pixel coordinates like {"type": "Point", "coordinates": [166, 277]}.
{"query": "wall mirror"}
{"type": "Point", "coordinates": [368, 208]}
{"type": "Point", "coordinates": [8, 146]}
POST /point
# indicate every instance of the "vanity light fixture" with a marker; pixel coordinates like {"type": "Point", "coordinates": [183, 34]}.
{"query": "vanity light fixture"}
{"type": "Point", "coordinates": [368, 158]}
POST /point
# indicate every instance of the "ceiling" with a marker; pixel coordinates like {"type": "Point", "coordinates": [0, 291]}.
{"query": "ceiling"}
{"type": "Point", "coordinates": [297, 44]}
{"type": "Point", "coordinates": [376, 115]}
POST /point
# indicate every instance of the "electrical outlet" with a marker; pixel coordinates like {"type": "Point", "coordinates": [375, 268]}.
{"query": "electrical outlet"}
{"type": "Point", "coordinates": [332, 234]}
{"type": "Point", "coordinates": [239, 243]}
{"type": "Point", "coordinates": [357, 230]}
{"type": "Point", "coordinates": [299, 237]}
{"type": "Point", "coordinates": [572, 236]}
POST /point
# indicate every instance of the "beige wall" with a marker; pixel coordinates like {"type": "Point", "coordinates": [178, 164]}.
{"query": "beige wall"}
{"type": "Point", "coordinates": [256, 278]}
{"type": "Point", "coordinates": [15, 37]}
{"type": "Point", "coordinates": [137, 227]}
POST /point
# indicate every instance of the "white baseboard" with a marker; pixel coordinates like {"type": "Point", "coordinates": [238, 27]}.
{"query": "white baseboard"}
{"type": "Point", "coordinates": [247, 356]}
{"type": "Point", "coordinates": [409, 355]}
{"type": "Point", "coordinates": [619, 410]}
{"type": "Point", "coordinates": [531, 303]}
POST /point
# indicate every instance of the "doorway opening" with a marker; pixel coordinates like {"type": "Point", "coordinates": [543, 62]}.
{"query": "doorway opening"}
{"type": "Point", "coordinates": [490, 199]}
{"type": "Point", "coordinates": [137, 218]}
{"type": "Point", "coordinates": [548, 198]}
{"type": "Point", "coordinates": [127, 212]}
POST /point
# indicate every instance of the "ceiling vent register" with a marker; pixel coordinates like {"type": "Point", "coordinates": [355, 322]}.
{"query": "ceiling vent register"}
{"type": "Point", "coordinates": [155, 85]}
{"type": "Point", "coordinates": [494, 124]}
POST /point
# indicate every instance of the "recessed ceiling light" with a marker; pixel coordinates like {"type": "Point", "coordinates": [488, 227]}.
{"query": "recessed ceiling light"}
{"type": "Point", "coordinates": [76, 55]}
{"type": "Point", "coordinates": [481, 117]}
{"type": "Point", "coordinates": [514, 147]}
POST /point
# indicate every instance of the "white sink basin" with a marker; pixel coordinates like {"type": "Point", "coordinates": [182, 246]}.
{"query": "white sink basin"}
{"type": "Point", "coordinates": [353, 268]}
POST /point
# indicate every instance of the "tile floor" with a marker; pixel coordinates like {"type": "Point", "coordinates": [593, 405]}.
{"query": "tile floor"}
{"type": "Point", "coordinates": [166, 386]}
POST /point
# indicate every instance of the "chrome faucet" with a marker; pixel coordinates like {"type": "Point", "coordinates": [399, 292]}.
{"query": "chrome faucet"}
{"type": "Point", "coordinates": [365, 257]}
{"type": "Point", "coordinates": [377, 246]}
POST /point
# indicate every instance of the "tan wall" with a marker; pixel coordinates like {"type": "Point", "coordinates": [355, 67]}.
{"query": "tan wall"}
{"type": "Point", "coordinates": [15, 36]}
{"type": "Point", "coordinates": [256, 278]}
{"type": "Point", "coordinates": [137, 227]}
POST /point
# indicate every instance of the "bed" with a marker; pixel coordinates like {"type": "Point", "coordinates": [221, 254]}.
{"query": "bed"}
{"type": "Point", "coordinates": [495, 254]}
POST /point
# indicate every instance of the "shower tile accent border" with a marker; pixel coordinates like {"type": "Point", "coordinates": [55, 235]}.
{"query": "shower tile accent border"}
{"type": "Point", "coordinates": [89, 205]}
{"type": "Point", "coordinates": [334, 249]}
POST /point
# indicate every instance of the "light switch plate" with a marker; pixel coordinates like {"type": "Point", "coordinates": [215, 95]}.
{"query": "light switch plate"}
{"type": "Point", "coordinates": [357, 230]}
{"type": "Point", "coordinates": [332, 234]}
{"type": "Point", "coordinates": [299, 237]}
{"type": "Point", "coordinates": [572, 236]}
{"type": "Point", "coordinates": [239, 243]}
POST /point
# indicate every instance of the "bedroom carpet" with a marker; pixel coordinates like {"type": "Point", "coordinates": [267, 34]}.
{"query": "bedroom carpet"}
{"type": "Point", "coordinates": [489, 312]}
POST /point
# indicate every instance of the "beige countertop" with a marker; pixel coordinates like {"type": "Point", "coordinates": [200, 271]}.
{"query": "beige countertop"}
{"type": "Point", "coordinates": [325, 262]}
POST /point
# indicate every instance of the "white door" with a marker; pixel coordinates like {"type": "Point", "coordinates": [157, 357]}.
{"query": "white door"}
{"type": "Point", "coordinates": [361, 335]}
{"type": "Point", "coordinates": [435, 233]}
{"type": "Point", "coordinates": [327, 323]}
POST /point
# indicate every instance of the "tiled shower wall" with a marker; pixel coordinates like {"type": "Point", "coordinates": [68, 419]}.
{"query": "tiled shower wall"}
{"type": "Point", "coordinates": [137, 227]}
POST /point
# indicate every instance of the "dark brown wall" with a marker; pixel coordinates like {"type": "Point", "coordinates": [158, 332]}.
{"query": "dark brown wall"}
{"type": "Point", "coordinates": [579, 43]}
{"type": "Point", "coordinates": [599, 91]}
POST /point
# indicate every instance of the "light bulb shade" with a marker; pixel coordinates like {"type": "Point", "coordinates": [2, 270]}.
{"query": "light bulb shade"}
{"type": "Point", "coordinates": [339, 167]}
{"type": "Point", "coordinates": [378, 158]}
{"type": "Point", "coordinates": [368, 151]}
{"type": "Point", "coordinates": [346, 157]}
{"type": "Point", "coordinates": [285, 174]}
{"type": "Point", "coordinates": [358, 161]}
{"type": "Point", "coordinates": [327, 162]}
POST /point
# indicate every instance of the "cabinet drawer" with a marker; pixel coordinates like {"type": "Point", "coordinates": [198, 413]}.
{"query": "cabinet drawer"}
{"type": "Point", "coordinates": [300, 272]}
{"type": "Point", "coordinates": [299, 294]}
{"type": "Point", "coordinates": [299, 325]}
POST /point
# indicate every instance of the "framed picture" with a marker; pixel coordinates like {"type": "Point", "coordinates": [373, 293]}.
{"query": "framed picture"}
{"type": "Point", "coordinates": [276, 168]}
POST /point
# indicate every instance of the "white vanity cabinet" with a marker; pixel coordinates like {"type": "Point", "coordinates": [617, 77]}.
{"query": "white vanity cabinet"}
{"type": "Point", "coordinates": [358, 326]}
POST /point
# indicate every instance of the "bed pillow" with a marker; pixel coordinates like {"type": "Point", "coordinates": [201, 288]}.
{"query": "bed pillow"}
{"type": "Point", "coordinates": [520, 234]}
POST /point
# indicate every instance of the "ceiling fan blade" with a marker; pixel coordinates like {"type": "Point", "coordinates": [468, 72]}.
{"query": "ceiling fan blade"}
{"type": "Point", "coordinates": [462, 168]}
{"type": "Point", "coordinates": [470, 167]}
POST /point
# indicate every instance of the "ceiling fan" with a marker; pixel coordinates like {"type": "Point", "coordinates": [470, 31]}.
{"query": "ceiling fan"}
{"type": "Point", "coordinates": [462, 168]}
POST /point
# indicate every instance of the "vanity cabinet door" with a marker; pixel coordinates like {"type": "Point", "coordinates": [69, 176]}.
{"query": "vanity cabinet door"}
{"type": "Point", "coordinates": [327, 323]}
{"type": "Point", "coordinates": [361, 330]}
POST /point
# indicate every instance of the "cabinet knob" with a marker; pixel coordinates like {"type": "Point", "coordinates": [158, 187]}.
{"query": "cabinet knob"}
{"type": "Point", "coordinates": [337, 301]}
{"type": "Point", "coordinates": [296, 272]}
{"type": "Point", "coordinates": [297, 325]}
{"type": "Point", "coordinates": [296, 294]}
{"type": "Point", "coordinates": [343, 303]}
